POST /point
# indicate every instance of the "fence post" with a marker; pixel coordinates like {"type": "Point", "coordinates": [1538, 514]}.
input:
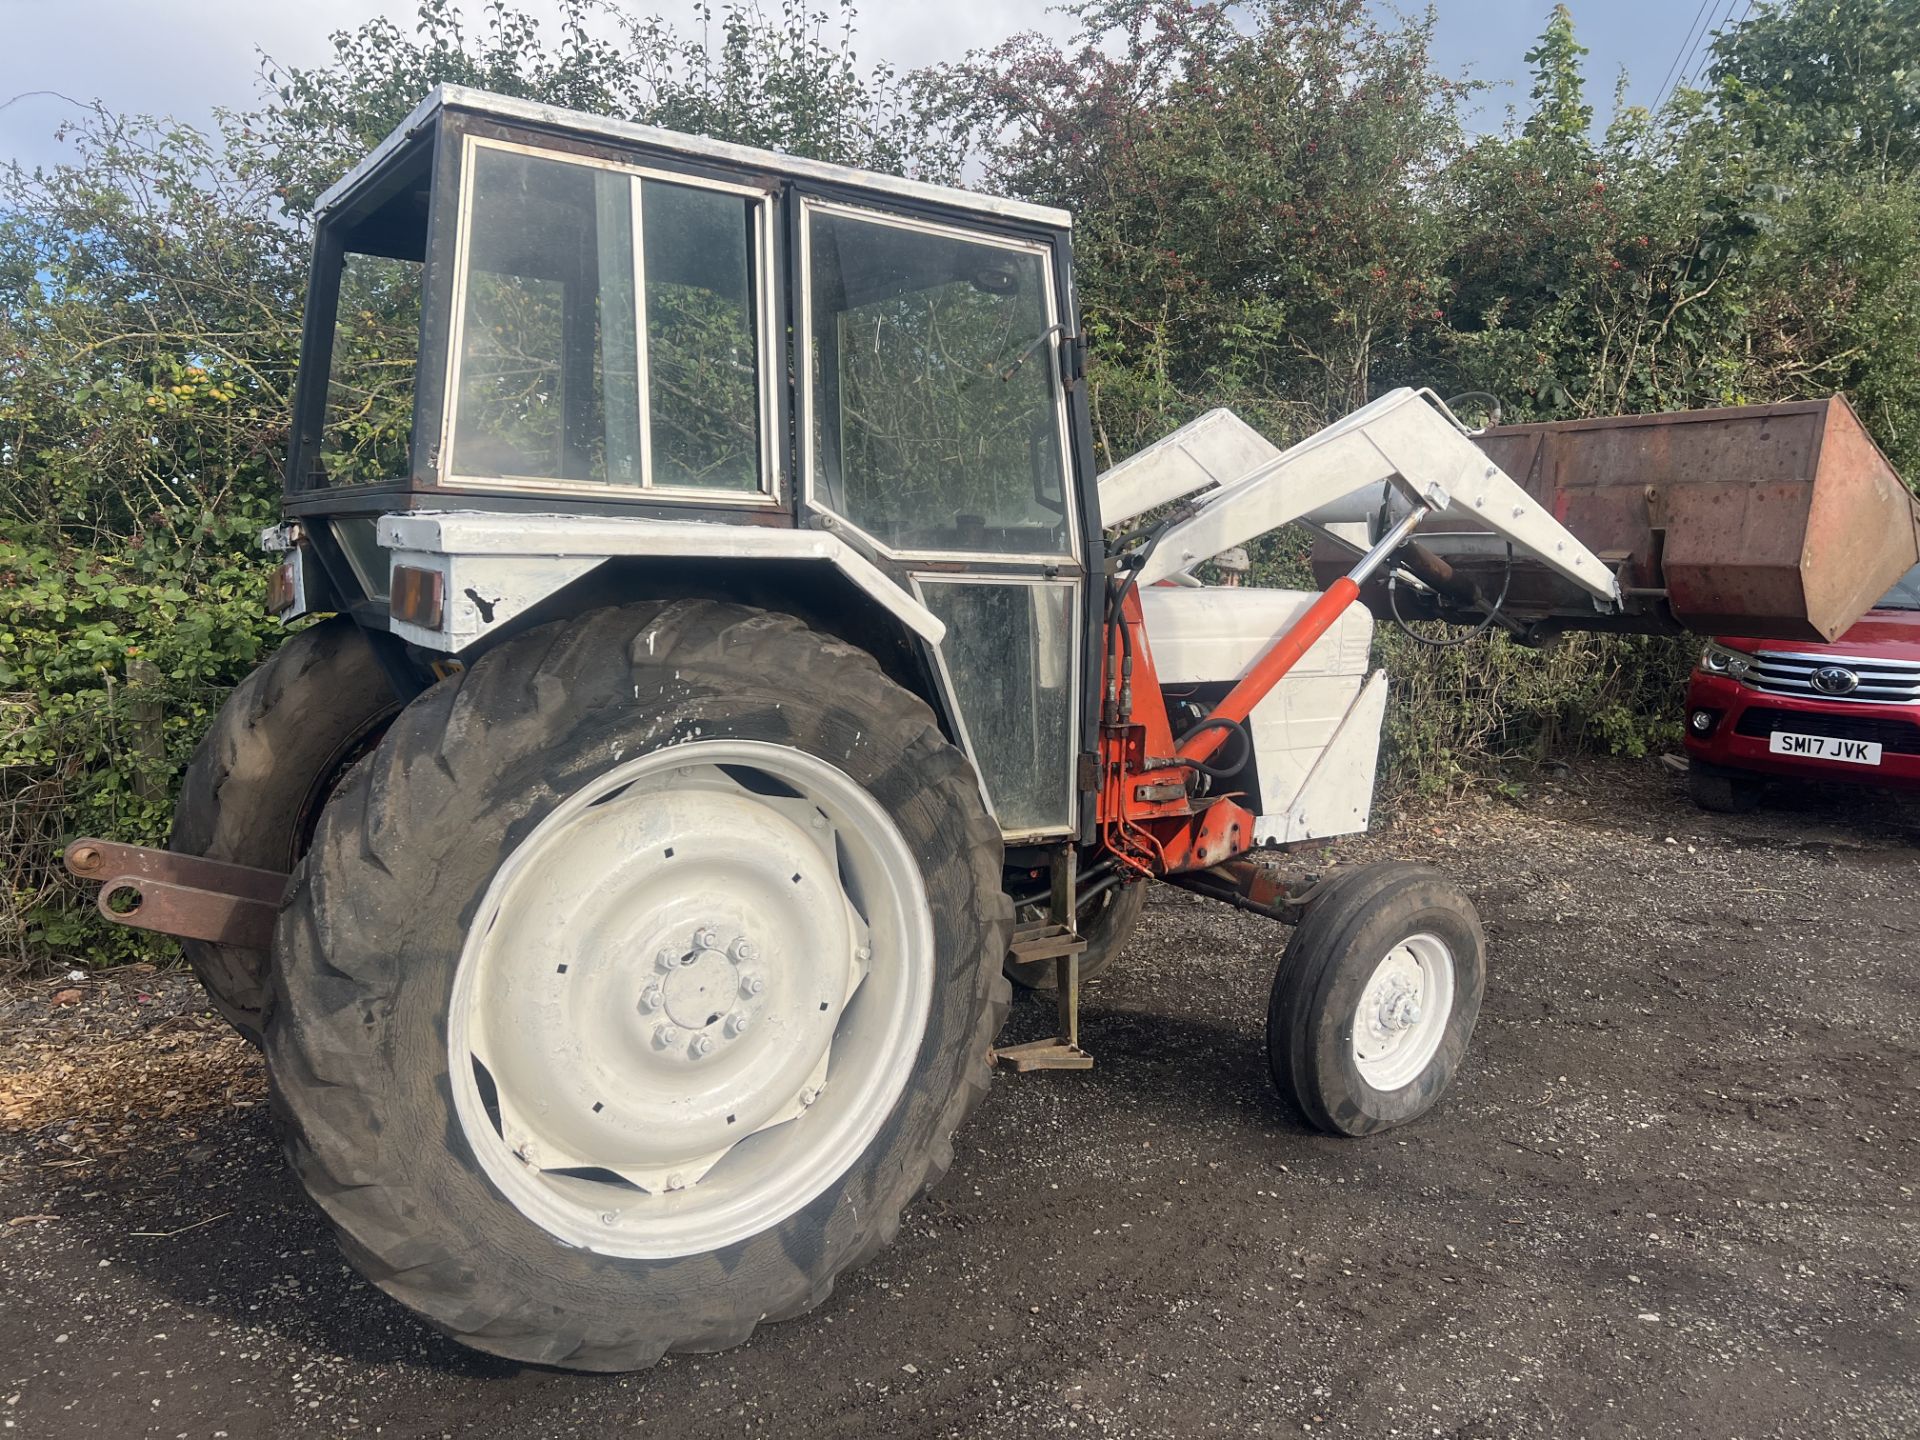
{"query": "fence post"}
{"type": "Point", "coordinates": [147, 718]}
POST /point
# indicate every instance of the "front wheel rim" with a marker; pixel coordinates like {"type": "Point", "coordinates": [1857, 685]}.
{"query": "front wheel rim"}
{"type": "Point", "coordinates": [1403, 1012]}
{"type": "Point", "coordinates": [690, 998]}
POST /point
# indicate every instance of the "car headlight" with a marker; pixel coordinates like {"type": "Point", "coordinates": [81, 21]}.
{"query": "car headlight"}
{"type": "Point", "coordinates": [1720, 660]}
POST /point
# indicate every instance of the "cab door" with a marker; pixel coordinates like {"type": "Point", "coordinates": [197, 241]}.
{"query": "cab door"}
{"type": "Point", "coordinates": [935, 431]}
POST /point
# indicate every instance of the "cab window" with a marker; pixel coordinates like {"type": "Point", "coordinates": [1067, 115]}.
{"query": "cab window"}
{"type": "Point", "coordinates": [934, 398]}
{"type": "Point", "coordinates": [585, 357]}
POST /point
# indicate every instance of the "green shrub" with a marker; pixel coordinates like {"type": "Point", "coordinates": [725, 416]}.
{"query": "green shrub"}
{"type": "Point", "coordinates": [111, 668]}
{"type": "Point", "coordinates": [1454, 713]}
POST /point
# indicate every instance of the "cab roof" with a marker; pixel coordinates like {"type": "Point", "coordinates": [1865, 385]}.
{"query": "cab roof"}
{"type": "Point", "coordinates": [698, 147]}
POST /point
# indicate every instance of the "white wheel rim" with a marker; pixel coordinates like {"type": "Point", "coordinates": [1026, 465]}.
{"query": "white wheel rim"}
{"type": "Point", "coordinates": [1403, 1012]}
{"type": "Point", "coordinates": [690, 998]}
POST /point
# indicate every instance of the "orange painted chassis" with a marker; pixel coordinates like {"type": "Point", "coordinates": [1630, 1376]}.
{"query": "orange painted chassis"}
{"type": "Point", "coordinates": [1151, 819]}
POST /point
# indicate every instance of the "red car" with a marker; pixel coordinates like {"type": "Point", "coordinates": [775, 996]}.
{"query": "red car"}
{"type": "Point", "coordinates": [1770, 709]}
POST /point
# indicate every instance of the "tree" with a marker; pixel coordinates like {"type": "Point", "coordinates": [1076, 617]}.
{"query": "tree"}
{"type": "Point", "coordinates": [1818, 83]}
{"type": "Point", "coordinates": [788, 82]}
{"type": "Point", "coordinates": [1696, 257]}
{"type": "Point", "coordinates": [1560, 113]}
{"type": "Point", "coordinates": [1248, 187]}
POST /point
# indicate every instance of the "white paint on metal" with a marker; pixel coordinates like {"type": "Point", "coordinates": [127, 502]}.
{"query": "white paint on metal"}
{"type": "Point", "coordinates": [1398, 443]}
{"type": "Point", "coordinates": [1335, 796]}
{"type": "Point", "coordinates": [277, 539]}
{"type": "Point", "coordinates": [1403, 1012]}
{"type": "Point", "coordinates": [296, 566]}
{"type": "Point", "coordinates": [285, 539]}
{"type": "Point", "coordinates": [496, 566]}
{"type": "Point", "coordinates": [693, 147]}
{"type": "Point", "coordinates": [667, 967]}
{"type": "Point", "coordinates": [1316, 734]}
{"type": "Point", "coordinates": [1211, 452]}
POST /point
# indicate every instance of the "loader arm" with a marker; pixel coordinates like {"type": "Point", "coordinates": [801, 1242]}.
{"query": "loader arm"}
{"type": "Point", "coordinates": [1403, 451]}
{"type": "Point", "coordinates": [1785, 517]}
{"type": "Point", "coordinates": [1403, 457]}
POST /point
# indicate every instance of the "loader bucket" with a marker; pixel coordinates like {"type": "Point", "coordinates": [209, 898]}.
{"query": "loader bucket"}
{"type": "Point", "coordinates": [1780, 522]}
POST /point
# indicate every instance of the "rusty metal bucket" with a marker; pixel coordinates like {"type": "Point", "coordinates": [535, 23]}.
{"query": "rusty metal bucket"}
{"type": "Point", "coordinates": [1778, 522]}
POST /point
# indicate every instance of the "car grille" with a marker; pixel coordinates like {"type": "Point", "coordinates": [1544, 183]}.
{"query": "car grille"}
{"type": "Point", "coordinates": [1896, 737]}
{"type": "Point", "coordinates": [1885, 682]}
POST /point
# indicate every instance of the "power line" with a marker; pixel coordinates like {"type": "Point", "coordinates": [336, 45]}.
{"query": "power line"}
{"type": "Point", "coordinates": [1683, 55]}
{"type": "Point", "coordinates": [1699, 40]}
{"type": "Point", "coordinates": [1706, 56]}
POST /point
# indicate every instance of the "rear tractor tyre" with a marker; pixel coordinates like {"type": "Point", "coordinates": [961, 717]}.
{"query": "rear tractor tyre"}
{"type": "Point", "coordinates": [1106, 926]}
{"type": "Point", "coordinates": [262, 773]}
{"type": "Point", "coordinates": [1723, 792]}
{"type": "Point", "coordinates": [637, 982]}
{"type": "Point", "coordinates": [1376, 998]}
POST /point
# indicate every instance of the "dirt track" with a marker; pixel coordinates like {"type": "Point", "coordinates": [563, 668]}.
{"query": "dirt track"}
{"type": "Point", "coordinates": [1673, 1194]}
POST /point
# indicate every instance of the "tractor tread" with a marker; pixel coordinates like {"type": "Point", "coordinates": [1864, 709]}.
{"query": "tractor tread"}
{"type": "Point", "coordinates": [378, 849]}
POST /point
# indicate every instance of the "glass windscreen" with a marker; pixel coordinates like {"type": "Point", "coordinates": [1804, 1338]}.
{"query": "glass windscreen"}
{"type": "Point", "coordinates": [1008, 653]}
{"type": "Point", "coordinates": [1905, 594]}
{"type": "Point", "coordinates": [549, 368]}
{"type": "Point", "coordinates": [934, 388]}
{"type": "Point", "coordinates": [368, 422]}
{"type": "Point", "coordinates": [703, 372]}
{"type": "Point", "coordinates": [566, 371]}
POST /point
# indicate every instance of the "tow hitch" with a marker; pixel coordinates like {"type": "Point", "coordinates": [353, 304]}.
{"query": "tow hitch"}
{"type": "Point", "coordinates": [185, 895]}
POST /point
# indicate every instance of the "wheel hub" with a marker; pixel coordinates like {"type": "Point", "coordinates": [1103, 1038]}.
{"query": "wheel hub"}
{"type": "Point", "coordinates": [701, 991]}
{"type": "Point", "coordinates": [1398, 1008]}
{"type": "Point", "coordinates": [1402, 1017]}
{"type": "Point", "coordinates": [675, 971]}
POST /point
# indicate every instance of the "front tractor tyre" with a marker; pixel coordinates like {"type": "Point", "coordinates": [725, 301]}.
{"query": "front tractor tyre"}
{"type": "Point", "coordinates": [1376, 997]}
{"type": "Point", "coordinates": [255, 788]}
{"type": "Point", "coordinates": [637, 982]}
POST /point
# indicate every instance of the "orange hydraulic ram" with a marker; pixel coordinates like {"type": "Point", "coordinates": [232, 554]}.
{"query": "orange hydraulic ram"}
{"type": "Point", "coordinates": [1288, 646]}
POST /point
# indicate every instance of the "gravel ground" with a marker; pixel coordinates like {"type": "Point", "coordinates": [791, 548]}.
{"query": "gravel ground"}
{"type": "Point", "coordinates": [1673, 1192]}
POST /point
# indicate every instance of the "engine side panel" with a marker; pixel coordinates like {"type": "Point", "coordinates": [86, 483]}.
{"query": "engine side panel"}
{"type": "Point", "coordinates": [1315, 737]}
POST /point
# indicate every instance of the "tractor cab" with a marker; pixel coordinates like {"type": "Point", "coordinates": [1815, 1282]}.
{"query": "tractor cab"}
{"type": "Point", "coordinates": [873, 382]}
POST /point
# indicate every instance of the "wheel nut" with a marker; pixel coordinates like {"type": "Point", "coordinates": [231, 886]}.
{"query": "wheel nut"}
{"type": "Point", "coordinates": [809, 1095]}
{"type": "Point", "coordinates": [666, 960]}
{"type": "Point", "coordinates": [736, 1025]}
{"type": "Point", "coordinates": [743, 952]}
{"type": "Point", "coordinates": [752, 985]}
{"type": "Point", "coordinates": [665, 1036]}
{"type": "Point", "coordinates": [702, 1045]}
{"type": "Point", "coordinates": [703, 939]}
{"type": "Point", "coordinates": [652, 998]}
{"type": "Point", "coordinates": [676, 1181]}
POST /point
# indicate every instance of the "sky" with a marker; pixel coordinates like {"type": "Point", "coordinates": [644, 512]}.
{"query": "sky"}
{"type": "Point", "coordinates": [183, 58]}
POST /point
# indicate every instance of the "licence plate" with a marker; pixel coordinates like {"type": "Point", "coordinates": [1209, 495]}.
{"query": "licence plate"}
{"type": "Point", "coordinates": [1825, 747]}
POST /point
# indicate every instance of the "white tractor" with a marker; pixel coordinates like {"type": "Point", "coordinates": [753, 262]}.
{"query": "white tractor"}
{"type": "Point", "coordinates": [736, 671]}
